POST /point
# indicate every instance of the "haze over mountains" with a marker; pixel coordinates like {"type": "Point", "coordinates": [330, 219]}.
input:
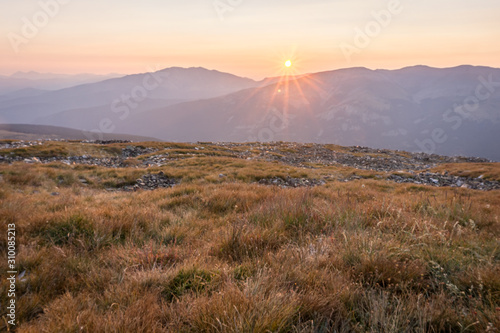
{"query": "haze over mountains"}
{"type": "Point", "coordinates": [34, 83]}
{"type": "Point", "coordinates": [43, 132]}
{"type": "Point", "coordinates": [452, 111]}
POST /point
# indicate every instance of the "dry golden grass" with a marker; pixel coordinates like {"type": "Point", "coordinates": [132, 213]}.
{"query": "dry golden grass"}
{"type": "Point", "coordinates": [489, 171]}
{"type": "Point", "coordinates": [226, 255]}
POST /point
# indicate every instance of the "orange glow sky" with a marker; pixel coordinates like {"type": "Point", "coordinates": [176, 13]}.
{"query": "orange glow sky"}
{"type": "Point", "coordinates": [254, 38]}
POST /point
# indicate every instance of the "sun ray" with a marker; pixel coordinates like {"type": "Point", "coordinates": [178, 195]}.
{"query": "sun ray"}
{"type": "Point", "coordinates": [279, 93]}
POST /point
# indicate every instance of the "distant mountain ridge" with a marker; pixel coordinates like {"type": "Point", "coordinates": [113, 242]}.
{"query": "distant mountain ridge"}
{"type": "Point", "coordinates": [35, 132]}
{"type": "Point", "coordinates": [134, 92]}
{"type": "Point", "coordinates": [32, 75]}
{"type": "Point", "coordinates": [450, 111]}
{"type": "Point", "coordinates": [46, 81]}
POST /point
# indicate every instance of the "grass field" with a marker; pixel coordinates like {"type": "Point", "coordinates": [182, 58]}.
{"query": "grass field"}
{"type": "Point", "coordinates": [221, 253]}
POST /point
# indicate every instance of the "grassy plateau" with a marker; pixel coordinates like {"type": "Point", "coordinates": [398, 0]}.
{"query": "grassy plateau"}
{"type": "Point", "coordinates": [219, 252]}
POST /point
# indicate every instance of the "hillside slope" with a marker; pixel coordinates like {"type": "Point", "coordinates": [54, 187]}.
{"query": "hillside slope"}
{"type": "Point", "coordinates": [36, 132]}
{"type": "Point", "coordinates": [111, 97]}
{"type": "Point", "coordinates": [415, 109]}
{"type": "Point", "coordinates": [224, 237]}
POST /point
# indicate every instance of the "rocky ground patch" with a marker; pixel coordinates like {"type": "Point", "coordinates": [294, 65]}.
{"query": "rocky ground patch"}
{"type": "Point", "coordinates": [152, 182]}
{"type": "Point", "coordinates": [306, 155]}
{"type": "Point", "coordinates": [19, 144]}
{"type": "Point", "coordinates": [442, 180]}
{"type": "Point", "coordinates": [309, 156]}
{"type": "Point", "coordinates": [291, 182]}
{"type": "Point", "coordinates": [134, 151]}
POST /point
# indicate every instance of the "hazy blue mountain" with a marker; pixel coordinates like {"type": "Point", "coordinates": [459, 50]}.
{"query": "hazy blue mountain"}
{"type": "Point", "coordinates": [47, 81]}
{"type": "Point", "coordinates": [116, 97]}
{"type": "Point", "coordinates": [416, 109]}
{"type": "Point", "coordinates": [453, 111]}
{"type": "Point", "coordinates": [36, 132]}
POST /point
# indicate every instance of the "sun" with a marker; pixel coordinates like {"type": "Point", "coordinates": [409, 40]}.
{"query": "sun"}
{"type": "Point", "coordinates": [288, 63]}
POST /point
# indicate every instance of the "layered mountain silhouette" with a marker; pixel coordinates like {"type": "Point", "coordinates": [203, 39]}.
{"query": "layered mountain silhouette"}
{"type": "Point", "coordinates": [46, 81]}
{"type": "Point", "coordinates": [137, 92]}
{"type": "Point", "coordinates": [37, 132]}
{"type": "Point", "coordinates": [452, 111]}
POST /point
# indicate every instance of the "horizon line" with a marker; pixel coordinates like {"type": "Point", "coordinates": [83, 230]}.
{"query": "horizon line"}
{"type": "Point", "coordinates": [242, 76]}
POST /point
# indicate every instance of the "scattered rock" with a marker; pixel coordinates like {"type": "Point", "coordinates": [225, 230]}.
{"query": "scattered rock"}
{"type": "Point", "coordinates": [294, 154]}
{"type": "Point", "coordinates": [32, 160]}
{"type": "Point", "coordinates": [157, 160]}
{"type": "Point", "coordinates": [20, 144]}
{"type": "Point", "coordinates": [134, 151]}
{"type": "Point", "coordinates": [291, 182]}
{"type": "Point", "coordinates": [299, 155]}
{"type": "Point", "coordinates": [446, 180]}
{"type": "Point", "coordinates": [105, 142]}
{"type": "Point", "coordinates": [153, 181]}
{"type": "Point", "coordinates": [304, 155]}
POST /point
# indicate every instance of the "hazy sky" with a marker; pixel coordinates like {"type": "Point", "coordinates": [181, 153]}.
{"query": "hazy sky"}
{"type": "Point", "coordinates": [246, 37]}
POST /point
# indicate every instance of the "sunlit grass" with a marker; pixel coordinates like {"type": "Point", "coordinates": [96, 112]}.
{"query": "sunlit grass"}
{"type": "Point", "coordinates": [224, 254]}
